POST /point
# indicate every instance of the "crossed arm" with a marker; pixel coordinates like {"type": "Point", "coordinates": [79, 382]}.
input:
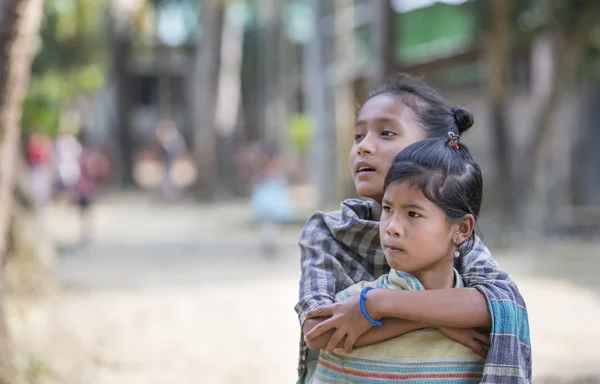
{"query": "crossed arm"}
{"type": "Point", "coordinates": [456, 312]}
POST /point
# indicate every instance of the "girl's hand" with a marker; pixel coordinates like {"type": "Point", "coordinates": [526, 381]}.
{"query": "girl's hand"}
{"type": "Point", "coordinates": [347, 320]}
{"type": "Point", "coordinates": [478, 341]}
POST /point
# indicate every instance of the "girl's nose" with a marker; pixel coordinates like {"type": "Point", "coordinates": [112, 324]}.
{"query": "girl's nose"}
{"type": "Point", "coordinates": [394, 229]}
{"type": "Point", "coordinates": [366, 146]}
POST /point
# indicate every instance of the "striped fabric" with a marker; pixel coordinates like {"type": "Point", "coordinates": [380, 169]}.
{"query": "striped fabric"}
{"type": "Point", "coordinates": [333, 369]}
{"type": "Point", "coordinates": [341, 248]}
{"type": "Point", "coordinates": [423, 356]}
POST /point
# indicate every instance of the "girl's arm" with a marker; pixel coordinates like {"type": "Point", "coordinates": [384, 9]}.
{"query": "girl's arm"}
{"type": "Point", "coordinates": [455, 307]}
{"type": "Point", "coordinates": [477, 340]}
{"type": "Point", "coordinates": [390, 329]}
{"type": "Point", "coordinates": [319, 267]}
{"type": "Point", "coordinates": [480, 271]}
{"type": "Point", "coordinates": [463, 308]}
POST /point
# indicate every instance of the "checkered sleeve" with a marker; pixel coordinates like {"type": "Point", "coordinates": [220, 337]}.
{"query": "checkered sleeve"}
{"type": "Point", "coordinates": [321, 271]}
{"type": "Point", "coordinates": [479, 267]}
{"type": "Point", "coordinates": [509, 358]}
{"type": "Point", "coordinates": [480, 271]}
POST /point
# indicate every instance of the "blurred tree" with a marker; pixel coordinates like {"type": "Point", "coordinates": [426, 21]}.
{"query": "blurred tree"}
{"type": "Point", "coordinates": [19, 26]}
{"type": "Point", "coordinates": [384, 30]}
{"type": "Point", "coordinates": [206, 80]}
{"type": "Point", "coordinates": [70, 63]}
{"type": "Point", "coordinates": [568, 25]}
{"type": "Point", "coordinates": [319, 103]}
{"type": "Point", "coordinates": [217, 100]}
{"type": "Point", "coordinates": [344, 94]}
{"type": "Point", "coordinates": [498, 51]}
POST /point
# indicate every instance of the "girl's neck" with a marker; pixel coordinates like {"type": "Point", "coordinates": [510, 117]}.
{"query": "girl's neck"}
{"type": "Point", "coordinates": [438, 276]}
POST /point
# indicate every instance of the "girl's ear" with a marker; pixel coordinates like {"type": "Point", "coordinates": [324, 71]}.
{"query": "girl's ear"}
{"type": "Point", "coordinates": [465, 228]}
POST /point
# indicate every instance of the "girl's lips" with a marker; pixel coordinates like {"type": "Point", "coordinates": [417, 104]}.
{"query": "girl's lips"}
{"type": "Point", "coordinates": [365, 171]}
{"type": "Point", "coordinates": [365, 175]}
{"type": "Point", "coordinates": [392, 248]}
{"type": "Point", "coordinates": [363, 166]}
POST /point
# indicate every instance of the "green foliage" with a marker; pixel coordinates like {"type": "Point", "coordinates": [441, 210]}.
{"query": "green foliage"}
{"type": "Point", "coordinates": [299, 132]}
{"type": "Point", "coordinates": [69, 64]}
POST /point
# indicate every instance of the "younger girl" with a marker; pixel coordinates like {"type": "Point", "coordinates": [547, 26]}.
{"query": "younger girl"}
{"type": "Point", "coordinates": [432, 197]}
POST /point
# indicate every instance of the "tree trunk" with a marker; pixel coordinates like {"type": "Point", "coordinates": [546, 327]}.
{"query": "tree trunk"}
{"type": "Point", "coordinates": [19, 26]}
{"type": "Point", "coordinates": [229, 102]}
{"type": "Point", "coordinates": [498, 55]}
{"type": "Point", "coordinates": [272, 108]}
{"type": "Point", "coordinates": [122, 86]}
{"type": "Point", "coordinates": [206, 75]}
{"type": "Point", "coordinates": [317, 95]}
{"type": "Point", "coordinates": [384, 39]}
{"type": "Point", "coordinates": [569, 46]}
{"type": "Point", "coordinates": [30, 255]}
{"type": "Point", "coordinates": [345, 104]}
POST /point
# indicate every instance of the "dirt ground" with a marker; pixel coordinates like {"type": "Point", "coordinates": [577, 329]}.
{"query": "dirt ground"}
{"type": "Point", "coordinates": [167, 294]}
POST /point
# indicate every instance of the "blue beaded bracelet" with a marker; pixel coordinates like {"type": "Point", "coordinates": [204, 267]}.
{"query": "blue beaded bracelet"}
{"type": "Point", "coordinates": [361, 303]}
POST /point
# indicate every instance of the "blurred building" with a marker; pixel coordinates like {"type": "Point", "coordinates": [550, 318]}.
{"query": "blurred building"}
{"type": "Point", "coordinates": [319, 59]}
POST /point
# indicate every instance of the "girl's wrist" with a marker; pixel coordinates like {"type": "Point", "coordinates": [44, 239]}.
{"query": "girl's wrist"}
{"type": "Point", "coordinates": [373, 304]}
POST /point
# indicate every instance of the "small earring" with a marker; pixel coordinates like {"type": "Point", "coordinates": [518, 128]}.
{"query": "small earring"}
{"type": "Point", "coordinates": [456, 253]}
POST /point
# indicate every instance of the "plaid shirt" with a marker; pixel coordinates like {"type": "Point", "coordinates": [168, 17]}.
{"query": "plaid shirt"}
{"type": "Point", "coordinates": [342, 248]}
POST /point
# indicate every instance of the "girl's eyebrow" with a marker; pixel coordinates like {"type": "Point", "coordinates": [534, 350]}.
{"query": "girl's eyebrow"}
{"type": "Point", "coordinates": [413, 206]}
{"type": "Point", "coordinates": [405, 206]}
{"type": "Point", "coordinates": [377, 120]}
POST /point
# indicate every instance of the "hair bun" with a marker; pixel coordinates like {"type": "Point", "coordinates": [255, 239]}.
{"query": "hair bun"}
{"type": "Point", "coordinates": [463, 118]}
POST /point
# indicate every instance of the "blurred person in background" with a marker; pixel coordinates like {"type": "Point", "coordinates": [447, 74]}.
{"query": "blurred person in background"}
{"type": "Point", "coordinates": [67, 150]}
{"type": "Point", "coordinates": [93, 165]}
{"type": "Point", "coordinates": [38, 153]}
{"type": "Point", "coordinates": [271, 201]}
{"type": "Point", "coordinates": [342, 248]}
{"type": "Point", "coordinates": [171, 146]}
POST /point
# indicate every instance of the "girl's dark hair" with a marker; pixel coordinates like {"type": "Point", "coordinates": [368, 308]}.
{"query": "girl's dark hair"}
{"type": "Point", "coordinates": [434, 113]}
{"type": "Point", "coordinates": [449, 177]}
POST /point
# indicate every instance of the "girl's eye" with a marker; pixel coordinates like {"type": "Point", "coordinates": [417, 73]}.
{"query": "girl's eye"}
{"type": "Point", "coordinates": [358, 136]}
{"type": "Point", "coordinates": [387, 209]}
{"type": "Point", "coordinates": [413, 214]}
{"type": "Point", "coordinates": [388, 133]}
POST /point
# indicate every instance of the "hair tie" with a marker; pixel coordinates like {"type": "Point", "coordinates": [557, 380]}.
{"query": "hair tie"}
{"type": "Point", "coordinates": [453, 140]}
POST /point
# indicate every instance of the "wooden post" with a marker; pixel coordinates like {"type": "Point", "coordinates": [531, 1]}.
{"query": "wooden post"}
{"type": "Point", "coordinates": [206, 75]}
{"type": "Point", "coordinates": [384, 39]}
{"type": "Point", "coordinates": [318, 101]}
{"type": "Point", "coordinates": [345, 111]}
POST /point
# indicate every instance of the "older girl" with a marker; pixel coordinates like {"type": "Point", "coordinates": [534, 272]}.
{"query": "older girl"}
{"type": "Point", "coordinates": [342, 248]}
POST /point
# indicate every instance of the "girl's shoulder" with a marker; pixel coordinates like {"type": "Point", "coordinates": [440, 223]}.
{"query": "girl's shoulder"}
{"type": "Point", "coordinates": [351, 219]}
{"type": "Point", "coordinates": [361, 209]}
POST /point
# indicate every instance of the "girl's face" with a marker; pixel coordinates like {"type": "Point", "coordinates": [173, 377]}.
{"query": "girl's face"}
{"type": "Point", "coordinates": [384, 127]}
{"type": "Point", "coordinates": [415, 233]}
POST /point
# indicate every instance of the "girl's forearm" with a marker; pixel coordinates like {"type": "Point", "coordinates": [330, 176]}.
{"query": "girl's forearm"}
{"type": "Point", "coordinates": [391, 328]}
{"type": "Point", "coordinates": [456, 307]}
